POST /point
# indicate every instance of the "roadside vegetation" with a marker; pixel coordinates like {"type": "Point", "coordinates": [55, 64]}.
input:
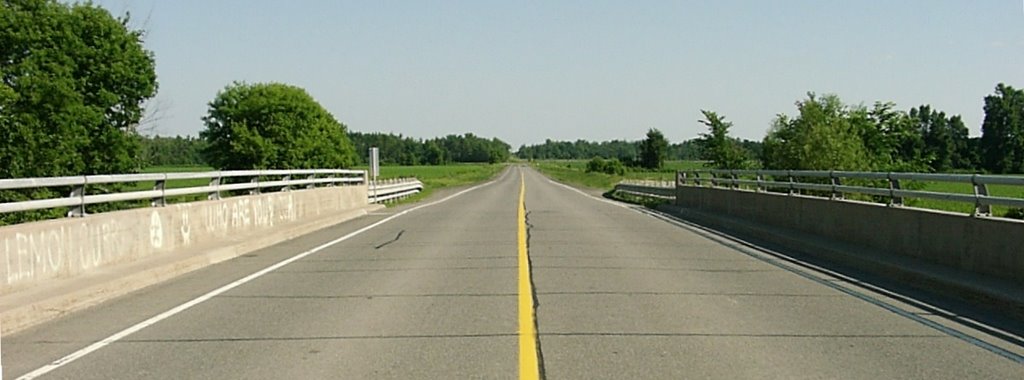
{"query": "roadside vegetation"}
{"type": "Point", "coordinates": [440, 177]}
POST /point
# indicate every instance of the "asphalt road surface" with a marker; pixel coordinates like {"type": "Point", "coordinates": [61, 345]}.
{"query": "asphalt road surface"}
{"type": "Point", "coordinates": [435, 290]}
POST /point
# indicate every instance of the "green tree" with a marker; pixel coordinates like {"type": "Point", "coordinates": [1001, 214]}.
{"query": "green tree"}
{"type": "Point", "coordinates": [273, 126]}
{"type": "Point", "coordinates": [723, 151]}
{"type": "Point", "coordinates": [1002, 131]}
{"type": "Point", "coordinates": [653, 150]}
{"type": "Point", "coordinates": [74, 81]}
{"type": "Point", "coordinates": [825, 135]}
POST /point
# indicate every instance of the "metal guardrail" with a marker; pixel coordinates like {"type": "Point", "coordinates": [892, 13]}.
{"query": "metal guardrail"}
{"type": "Point", "coordinates": [654, 189]}
{"type": "Point", "coordinates": [388, 190]}
{"type": "Point", "coordinates": [793, 181]}
{"type": "Point", "coordinates": [281, 180]}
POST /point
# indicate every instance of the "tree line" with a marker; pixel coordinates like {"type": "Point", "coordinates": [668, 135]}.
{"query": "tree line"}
{"type": "Point", "coordinates": [401, 150]}
{"type": "Point", "coordinates": [827, 134]}
{"type": "Point", "coordinates": [622, 150]}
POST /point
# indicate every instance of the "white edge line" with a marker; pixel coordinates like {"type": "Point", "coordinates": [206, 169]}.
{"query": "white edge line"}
{"type": "Point", "coordinates": [581, 192]}
{"type": "Point", "coordinates": [205, 297]}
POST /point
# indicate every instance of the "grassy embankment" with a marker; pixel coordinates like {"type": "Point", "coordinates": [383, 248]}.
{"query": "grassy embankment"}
{"type": "Point", "coordinates": [574, 172]}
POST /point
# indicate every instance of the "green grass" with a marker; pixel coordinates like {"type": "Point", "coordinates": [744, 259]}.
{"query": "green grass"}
{"type": "Point", "coordinates": [433, 177]}
{"type": "Point", "coordinates": [962, 188]}
{"type": "Point", "coordinates": [440, 177]}
{"type": "Point", "coordinates": [176, 169]}
{"type": "Point", "coordinates": [575, 172]}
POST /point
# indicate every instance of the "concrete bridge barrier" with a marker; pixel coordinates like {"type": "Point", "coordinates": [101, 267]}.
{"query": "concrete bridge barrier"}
{"type": "Point", "coordinates": [51, 267]}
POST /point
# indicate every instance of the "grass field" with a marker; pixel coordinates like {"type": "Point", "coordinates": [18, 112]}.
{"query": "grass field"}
{"type": "Point", "coordinates": [433, 177]}
{"type": "Point", "coordinates": [439, 177]}
{"type": "Point", "coordinates": [574, 172]}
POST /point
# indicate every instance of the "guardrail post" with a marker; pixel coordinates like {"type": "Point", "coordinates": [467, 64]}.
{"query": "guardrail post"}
{"type": "Point", "coordinates": [287, 178]}
{"type": "Point", "coordinates": [680, 178]}
{"type": "Point", "coordinates": [894, 184]}
{"type": "Point", "coordinates": [78, 192]}
{"type": "Point", "coordinates": [311, 177]}
{"type": "Point", "coordinates": [980, 191]}
{"type": "Point", "coordinates": [792, 188]}
{"type": "Point", "coordinates": [760, 182]}
{"type": "Point", "coordinates": [735, 185]}
{"type": "Point", "coordinates": [160, 186]}
{"type": "Point", "coordinates": [215, 184]}
{"type": "Point", "coordinates": [836, 194]}
{"type": "Point", "coordinates": [255, 190]}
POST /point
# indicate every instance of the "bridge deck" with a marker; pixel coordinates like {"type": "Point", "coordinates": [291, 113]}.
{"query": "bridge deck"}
{"type": "Point", "coordinates": [433, 293]}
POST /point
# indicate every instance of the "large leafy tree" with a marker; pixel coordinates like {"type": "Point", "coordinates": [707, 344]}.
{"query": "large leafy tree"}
{"type": "Point", "coordinates": [826, 134]}
{"type": "Point", "coordinates": [723, 151]}
{"type": "Point", "coordinates": [1002, 138]}
{"type": "Point", "coordinates": [273, 126]}
{"type": "Point", "coordinates": [73, 81]}
{"type": "Point", "coordinates": [653, 150]}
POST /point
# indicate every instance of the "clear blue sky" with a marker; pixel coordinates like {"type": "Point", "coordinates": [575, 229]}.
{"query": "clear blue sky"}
{"type": "Point", "coordinates": [524, 71]}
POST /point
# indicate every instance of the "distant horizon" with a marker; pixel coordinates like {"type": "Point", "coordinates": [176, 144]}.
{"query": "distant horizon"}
{"type": "Point", "coordinates": [565, 71]}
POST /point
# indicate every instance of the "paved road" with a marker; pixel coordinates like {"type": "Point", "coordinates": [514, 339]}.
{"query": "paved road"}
{"type": "Point", "coordinates": [435, 293]}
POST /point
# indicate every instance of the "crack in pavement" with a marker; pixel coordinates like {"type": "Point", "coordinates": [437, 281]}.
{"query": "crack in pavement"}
{"type": "Point", "coordinates": [399, 236]}
{"type": "Point", "coordinates": [533, 288]}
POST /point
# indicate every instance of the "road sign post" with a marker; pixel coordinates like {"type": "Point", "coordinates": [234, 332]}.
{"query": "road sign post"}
{"type": "Point", "coordinates": [374, 170]}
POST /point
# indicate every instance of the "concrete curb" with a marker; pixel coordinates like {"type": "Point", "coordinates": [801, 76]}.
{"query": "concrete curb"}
{"type": "Point", "coordinates": [47, 308]}
{"type": "Point", "coordinates": [1003, 296]}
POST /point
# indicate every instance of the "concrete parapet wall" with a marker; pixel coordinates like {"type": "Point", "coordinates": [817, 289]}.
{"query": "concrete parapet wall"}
{"type": "Point", "coordinates": [36, 252]}
{"type": "Point", "coordinates": [984, 246]}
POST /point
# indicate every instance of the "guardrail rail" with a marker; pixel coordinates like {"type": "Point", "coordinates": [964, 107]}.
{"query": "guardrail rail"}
{"type": "Point", "coordinates": [219, 184]}
{"type": "Point", "coordinates": [835, 184]}
{"type": "Point", "coordinates": [392, 189]}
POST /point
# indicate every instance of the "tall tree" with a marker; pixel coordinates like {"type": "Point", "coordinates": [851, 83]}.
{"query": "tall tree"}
{"type": "Point", "coordinates": [723, 151]}
{"type": "Point", "coordinates": [1002, 138]}
{"type": "Point", "coordinates": [825, 135]}
{"type": "Point", "coordinates": [273, 126]}
{"type": "Point", "coordinates": [653, 150]}
{"type": "Point", "coordinates": [73, 81]}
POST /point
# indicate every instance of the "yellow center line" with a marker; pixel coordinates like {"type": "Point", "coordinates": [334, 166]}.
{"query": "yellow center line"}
{"type": "Point", "coordinates": [529, 367]}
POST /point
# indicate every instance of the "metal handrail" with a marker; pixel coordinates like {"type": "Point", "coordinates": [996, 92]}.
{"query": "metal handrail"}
{"type": "Point", "coordinates": [794, 180]}
{"type": "Point", "coordinates": [284, 180]}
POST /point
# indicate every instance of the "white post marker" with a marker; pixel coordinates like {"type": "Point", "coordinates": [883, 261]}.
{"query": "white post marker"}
{"type": "Point", "coordinates": [374, 171]}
